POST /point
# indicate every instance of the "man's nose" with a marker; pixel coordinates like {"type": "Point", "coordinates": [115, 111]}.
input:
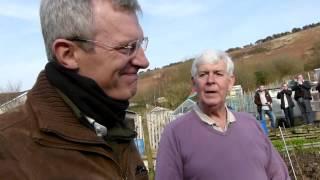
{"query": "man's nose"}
{"type": "Point", "coordinates": [211, 78]}
{"type": "Point", "coordinates": [141, 60]}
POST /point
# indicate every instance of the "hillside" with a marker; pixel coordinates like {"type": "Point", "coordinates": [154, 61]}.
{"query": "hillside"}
{"type": "Point", "coordinates": [264, 62]}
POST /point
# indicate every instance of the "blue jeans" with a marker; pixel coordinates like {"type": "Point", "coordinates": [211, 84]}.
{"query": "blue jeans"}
{"type": "Point", "coordinates": [263, 125]}
{"type": "Point", "coordinates": [270, 115]}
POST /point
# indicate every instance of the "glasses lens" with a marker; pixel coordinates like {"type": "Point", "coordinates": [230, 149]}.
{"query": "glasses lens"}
{"type": "Point", "coordinates": [144, 43]}
{"type": "Point", "coordinates": [134, 46]}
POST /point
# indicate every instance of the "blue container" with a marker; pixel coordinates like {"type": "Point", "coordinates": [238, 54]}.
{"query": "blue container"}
{"type": "Point", "coordinates": [140, 145]}
{"type": "Point", "coordinates": [264, 127]}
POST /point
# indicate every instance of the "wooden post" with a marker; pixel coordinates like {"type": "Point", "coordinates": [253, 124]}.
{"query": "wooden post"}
{"type": "Point", "coordinates": [148, 149]}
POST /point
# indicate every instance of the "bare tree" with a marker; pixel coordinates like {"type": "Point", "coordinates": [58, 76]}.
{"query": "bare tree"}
{"type": "Point", "coordinates": [10, 96]}
{"type": "Point", "coordinates": [11, 87]}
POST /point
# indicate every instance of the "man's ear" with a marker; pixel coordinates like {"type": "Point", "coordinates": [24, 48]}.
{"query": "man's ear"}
{"type": "Point", "coordinates": [231, 82]}
{"type": "Point", "coordinates": [194, 85]}
{"type": "Point", "coordinates": [65, 53]}
{"type": "Point", "coordinates": [193, 82]}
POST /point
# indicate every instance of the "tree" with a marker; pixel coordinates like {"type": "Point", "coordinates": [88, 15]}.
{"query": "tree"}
{"type": "Point", "coordinates": [8, 93]}
{"type": "Point", "coordinates": [11, 87]}
{"type": "Point", "coordinates": [261, 77]}
{"type": "Point", "coordinates": [295, 30]}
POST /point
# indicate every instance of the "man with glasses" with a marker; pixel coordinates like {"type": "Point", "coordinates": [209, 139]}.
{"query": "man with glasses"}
{"type": "Point", "coordinates": [72, 125]}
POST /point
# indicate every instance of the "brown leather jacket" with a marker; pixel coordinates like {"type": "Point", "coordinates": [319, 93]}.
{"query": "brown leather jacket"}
{"type": "Point", "coordinates": [257, 100]}
{"type": "Point", "coordinates": [42, 140]}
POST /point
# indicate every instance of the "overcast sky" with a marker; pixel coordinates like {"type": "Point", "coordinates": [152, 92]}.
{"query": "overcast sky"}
{"type": "Point", "coordinates": [177, 30]}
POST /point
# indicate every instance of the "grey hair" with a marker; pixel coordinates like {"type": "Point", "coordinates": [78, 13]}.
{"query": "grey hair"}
{"type": "Point", "coordinates": [69, 19]}
{"type": "Point", "coordinates": [212, 57]}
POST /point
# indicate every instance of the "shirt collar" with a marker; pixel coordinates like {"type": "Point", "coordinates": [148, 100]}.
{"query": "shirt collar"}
{"type": "Point", "coordinates": [205, 118]}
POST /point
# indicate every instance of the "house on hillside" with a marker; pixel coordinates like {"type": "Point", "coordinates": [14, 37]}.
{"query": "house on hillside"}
{"type": "Point", "coordinates": [184, 107]}
{"type": "Point", "coordinates": [232, 101]}
{"type": "Point", "coordinates": [11, 100]}
{"type": "Point", "coordinates": [316, 74]}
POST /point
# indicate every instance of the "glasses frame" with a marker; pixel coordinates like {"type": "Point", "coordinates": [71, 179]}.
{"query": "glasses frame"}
{"type": "Point", "coordinates": [131, 47]}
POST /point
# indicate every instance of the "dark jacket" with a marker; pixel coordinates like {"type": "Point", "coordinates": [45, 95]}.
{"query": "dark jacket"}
{"type": "Point", "coordinates": [318, 87]}
{"type": "Point", "coordinates": [302, 90]}
{"type": "Point", "coordinates": [257, 100]}
{"type": "Point", "coordinates": [42, 140]}
{"type": "Point", "coordinates": [287, 94]}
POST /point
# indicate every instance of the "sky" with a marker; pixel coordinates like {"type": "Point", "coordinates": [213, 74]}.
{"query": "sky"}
{"type": "Point", "coordinates": [177, 30]}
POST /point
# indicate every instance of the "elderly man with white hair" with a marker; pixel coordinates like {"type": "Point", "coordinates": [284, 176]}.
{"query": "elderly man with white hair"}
{"type": "Point", "coordinates": [212, 142]}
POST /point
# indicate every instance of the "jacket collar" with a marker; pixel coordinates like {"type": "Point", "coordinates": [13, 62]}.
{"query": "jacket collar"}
{"type": "Point", "coordinates": [53, 115]}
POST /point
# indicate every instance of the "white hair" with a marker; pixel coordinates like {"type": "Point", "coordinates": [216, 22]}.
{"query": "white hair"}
{"type": "Point", "coordinates": [212, 57]}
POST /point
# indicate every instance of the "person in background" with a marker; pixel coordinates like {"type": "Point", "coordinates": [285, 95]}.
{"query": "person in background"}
{"type": "Point", "coordinates": [263, 101]}
{"type": "Point", "coordinates": [302, 96]}
{"type": "Point", "coordinates": [318, 86]}
{"type": "Point", "coordinates": [286, 104]}
{"type": "Point", "coordinates": [212, 142]}
{"type": "Point", "coordinates": [73, 125]}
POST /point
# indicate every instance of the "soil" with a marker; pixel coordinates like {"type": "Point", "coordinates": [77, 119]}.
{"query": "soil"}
{"type": "Point", "coordinates": [306, 164]}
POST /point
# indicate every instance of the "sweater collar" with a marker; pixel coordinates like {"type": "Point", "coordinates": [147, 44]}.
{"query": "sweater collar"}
{"type": "Point", "coordinates": [206, 119]}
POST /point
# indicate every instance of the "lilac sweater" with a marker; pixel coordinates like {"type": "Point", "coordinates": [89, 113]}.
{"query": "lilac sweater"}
{"type": "Point", "coordinates": [192, 150]}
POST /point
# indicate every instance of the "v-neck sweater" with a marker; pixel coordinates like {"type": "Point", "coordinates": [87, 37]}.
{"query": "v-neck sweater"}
{"type": "Point", "coordinates": [192, 150]}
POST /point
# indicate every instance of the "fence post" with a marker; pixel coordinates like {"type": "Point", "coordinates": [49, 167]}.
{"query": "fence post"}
{"type": "Point", "coordinates": [148, 149]}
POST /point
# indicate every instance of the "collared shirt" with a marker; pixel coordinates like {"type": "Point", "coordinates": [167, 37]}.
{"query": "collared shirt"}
{"type": "Point", "coordinates": [205, 118]}
{"type": "Point", "coordinates": [263, 100]}
{"type": "Point", "coordinates": [286, 104]}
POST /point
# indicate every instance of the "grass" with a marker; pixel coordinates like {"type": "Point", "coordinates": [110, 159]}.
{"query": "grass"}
{"type": "Point", "coordinates": [297, 143]}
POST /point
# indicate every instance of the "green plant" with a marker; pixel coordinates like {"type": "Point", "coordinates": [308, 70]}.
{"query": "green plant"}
{"type": "Point", "coordinates": [261, 77]}
{"type": "Point", "coordinates": [296, 143]}
{"type": "Point", "coordinates": [257, 50]}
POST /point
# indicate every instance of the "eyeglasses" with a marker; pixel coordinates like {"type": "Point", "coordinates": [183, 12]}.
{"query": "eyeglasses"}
{"type": "Point", "coordinates": [129, 49]}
